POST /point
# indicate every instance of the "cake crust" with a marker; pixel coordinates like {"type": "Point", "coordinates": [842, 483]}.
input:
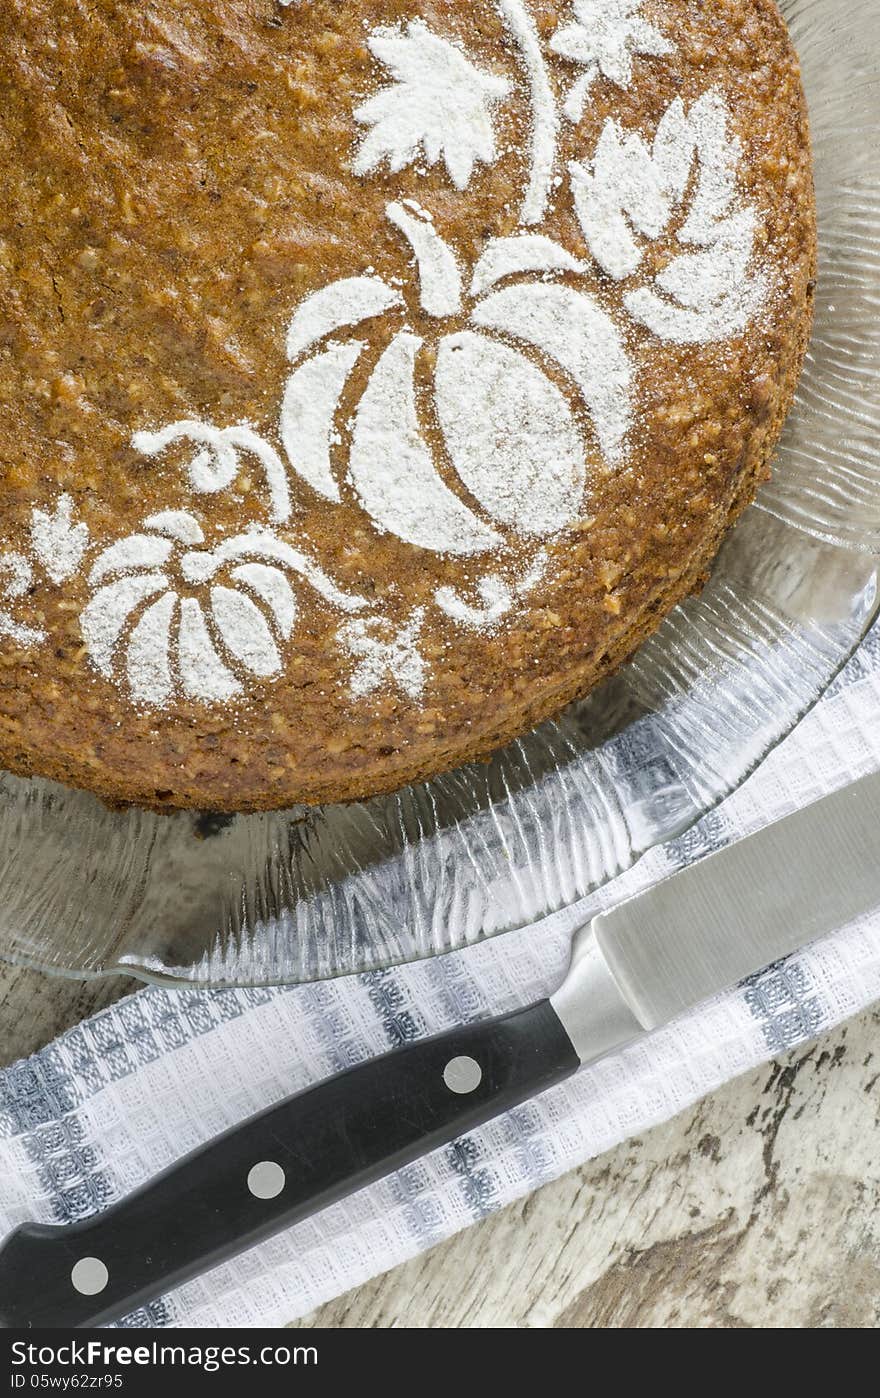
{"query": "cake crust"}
{"type": "Point", "coordinates": [174, 190]}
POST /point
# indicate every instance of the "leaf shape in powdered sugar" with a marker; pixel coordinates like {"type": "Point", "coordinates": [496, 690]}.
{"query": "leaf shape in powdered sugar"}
{"type": "Point", "coordinates": [603, 37]}
{"type": "Point", "coordinates": [16, 576]}
{"type": "Point", "coordinates": [439, 105]}
{"type": "Point", "coordinates": [715, 296]}
{"type": "Point", "coordinates": [629, 185]}
{"type": "Point", "coordinates": [385, 655]}
{"type": "Point", "coordinates": [719, 155]}
{"type": "Point", "coordinates": [701, 279]}
{"type": "Point", "coordinates": [630, 188]}
{"type": "Point", "coordinates": [58, 543]}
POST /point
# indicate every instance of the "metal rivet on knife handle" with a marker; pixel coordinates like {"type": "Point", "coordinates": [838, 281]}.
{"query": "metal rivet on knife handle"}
{"type": "Point", "coordinates": [89, 1276]}
{"type": "Point", "coordinates": [462, 1074]}
{"type": "Point", "coordinates": [266, 1179]}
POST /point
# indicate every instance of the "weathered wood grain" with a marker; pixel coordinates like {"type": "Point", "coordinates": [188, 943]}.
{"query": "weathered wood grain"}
{"type": "Point", "coordinates": [760, 1207]}
{"type": "Point", "coordinates": [35, 1008]}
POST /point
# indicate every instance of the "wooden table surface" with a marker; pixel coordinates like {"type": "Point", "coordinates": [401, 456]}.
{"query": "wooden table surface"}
{"type": "Point", "coordinates": [759, 1207]}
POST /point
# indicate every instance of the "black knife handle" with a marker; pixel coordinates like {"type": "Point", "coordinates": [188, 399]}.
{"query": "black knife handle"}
{"type": "Point", "coordinates": [328, 1141]}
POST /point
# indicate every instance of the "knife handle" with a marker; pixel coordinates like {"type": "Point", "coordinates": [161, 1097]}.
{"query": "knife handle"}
{"type": "Point", "coordinates": [304, 1153]}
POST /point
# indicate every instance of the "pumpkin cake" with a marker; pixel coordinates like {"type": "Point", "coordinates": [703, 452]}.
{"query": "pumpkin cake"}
{"type": "Point", "coordinates": [374, 376]}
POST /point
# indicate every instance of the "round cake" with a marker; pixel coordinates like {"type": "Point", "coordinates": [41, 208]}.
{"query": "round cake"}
{"type": "Point", "coordinates": [374, 377]}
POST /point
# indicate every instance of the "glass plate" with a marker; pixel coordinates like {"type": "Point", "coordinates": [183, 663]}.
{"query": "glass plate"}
{"type": "Point", "coordinates": [311, 893]}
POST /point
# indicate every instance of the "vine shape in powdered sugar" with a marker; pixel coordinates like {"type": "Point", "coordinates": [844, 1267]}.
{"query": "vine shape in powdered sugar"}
{"type": "Point", "coordinates": [602, 37]}
{"type": "Point", "coordinates": [509, 432]}
{"type": "Point", "coordinates": [497, 598]}
{"type": "Point", "coordinates": [391, 657]}
{"type": "Point", "coordinates": [630, 188]}
{"type": "Point", "coordinates": [496, 601]}
{"type": "Point", "coordinates": [16, 577]}
{"type": "Point", "coordinates": [216, 463]}
{"type": "Point", "coordinates": [545, 119]}
{"type": "Point", "coordinates": [174, 642]}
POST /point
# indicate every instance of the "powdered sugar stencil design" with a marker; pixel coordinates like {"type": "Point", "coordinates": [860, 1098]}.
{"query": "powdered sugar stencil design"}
{"type": "Point", "coordinates": [526, 363]}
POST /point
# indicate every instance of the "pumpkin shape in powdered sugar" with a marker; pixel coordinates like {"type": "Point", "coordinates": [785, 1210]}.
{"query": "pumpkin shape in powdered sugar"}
{"type": "Point", "coordinates": [159, 598]}
{"type": "Point", "coordinates": [513, 364]}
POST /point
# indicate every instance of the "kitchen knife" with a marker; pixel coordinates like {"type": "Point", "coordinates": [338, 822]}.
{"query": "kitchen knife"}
{"type": "Point", "coordinates": [632, 969]}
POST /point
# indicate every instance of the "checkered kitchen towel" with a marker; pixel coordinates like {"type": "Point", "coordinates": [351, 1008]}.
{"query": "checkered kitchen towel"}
{"type": "Point", "coordinates": [118, 1098]}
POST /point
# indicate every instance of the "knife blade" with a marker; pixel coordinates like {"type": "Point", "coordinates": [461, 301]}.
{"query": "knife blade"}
{"type": "Point", "coordinates": [735, 911]}
{"type": "Point", "coordinates": [632, 969]}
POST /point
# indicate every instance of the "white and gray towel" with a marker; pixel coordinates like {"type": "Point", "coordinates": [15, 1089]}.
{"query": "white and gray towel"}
{"type": "Point", "coordinates": [119, 1097]}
